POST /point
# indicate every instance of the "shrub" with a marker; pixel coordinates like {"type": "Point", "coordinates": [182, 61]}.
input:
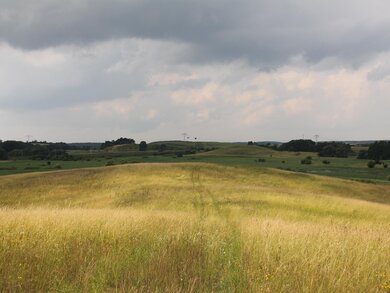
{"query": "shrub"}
{"type": "Point", "coordinates": [110, 163]}
{"type": "Point", "coordinates": [326, 162]}
{"type": "Point", "coordinates": [385, 165]}
{"type": "Point", "coordinates": [371, 164]}
{"type": "Point", "coordinates": [261, 160]}
{"type": "Point", "coordinates": [306, 161]}
{"type": "Point", "coordinates": [58, 167]}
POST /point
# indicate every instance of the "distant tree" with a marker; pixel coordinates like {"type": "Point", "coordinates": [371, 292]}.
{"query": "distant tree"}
{"type": "Point", "coordinates": [371, 164]}
{"type": "Point", "coordinates": [299, 145]}
{"type": "Point", "coordinates": [379, 150]}
{"type": "Point", "coordinates": [143, 146]}
{"type": "Point", "coordinates": [119, 141]}
{"type": "Point", "coordinates": [250, 143]}
{"type": "Point", "coordinates": [333, 149]}
{"type": "Point", "coordinates": [10, 145]}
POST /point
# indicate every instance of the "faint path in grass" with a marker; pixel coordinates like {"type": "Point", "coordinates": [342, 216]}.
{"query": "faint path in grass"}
{"type": "Point", "coordinates": [207, 203]}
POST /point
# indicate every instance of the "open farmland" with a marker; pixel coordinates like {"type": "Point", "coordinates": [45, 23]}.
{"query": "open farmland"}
{"type": "Point", "coordinates": [192, 227]}
{"type": "Point", "coordinates": [228, 154]}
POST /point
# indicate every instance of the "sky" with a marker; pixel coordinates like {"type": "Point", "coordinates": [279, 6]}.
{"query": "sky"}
{"type": "Point", "coordinates": [220, 70]}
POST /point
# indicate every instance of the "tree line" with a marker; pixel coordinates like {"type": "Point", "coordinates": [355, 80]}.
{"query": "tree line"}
{"type": "Point", "coordinates": [43, 150]}
{"type": "Point", "coordinates": [379, 150]}
{"type": "Point", "coordinates": [324, 149]}
{"type": "Point", "coordinates": [123, 141]}
{"type": "Point", "coordinates": [34, 150]}
{"type": "Point", "coordinates": [119, 141]}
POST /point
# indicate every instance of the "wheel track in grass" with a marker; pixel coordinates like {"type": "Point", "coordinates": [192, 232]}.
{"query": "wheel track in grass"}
{"type": "Point", "coordinates": [233, 247]}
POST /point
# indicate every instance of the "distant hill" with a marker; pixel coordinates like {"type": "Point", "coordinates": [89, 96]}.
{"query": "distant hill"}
{"type": "Point", "coordinates": [240, 150]}
{"type": "Point", "coordinates": [270, 142]}
{"type": "Point", "coordinates": [360, 142]}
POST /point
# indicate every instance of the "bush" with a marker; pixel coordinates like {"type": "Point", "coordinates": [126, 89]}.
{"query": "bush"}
{"type": "Point", "coordinates": [110, 163]}
{"type": "Point", "coordinates": [306, 161]}
{"type": "Point", "coordinates": [326, 162]}
{"type": "Point", "coordinates": [385, 165]}
{"type": "Point", "coordinates": [261, 160]}
{"type": "Point", "coordinates": [58, 167]}
{"type": "Point", "coordinates": [371, 164]}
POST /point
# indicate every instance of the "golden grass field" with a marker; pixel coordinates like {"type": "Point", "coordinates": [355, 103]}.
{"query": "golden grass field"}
{"type": "Point", "coordinates": [192, 228]}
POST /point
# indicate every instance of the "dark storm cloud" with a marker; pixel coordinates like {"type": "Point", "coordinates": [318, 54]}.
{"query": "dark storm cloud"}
{"type": "Point", "coordinates": [268, 33]}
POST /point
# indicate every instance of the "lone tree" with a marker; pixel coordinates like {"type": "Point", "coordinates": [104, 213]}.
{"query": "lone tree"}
{"type": "Point", "coordinates": [143, 146]}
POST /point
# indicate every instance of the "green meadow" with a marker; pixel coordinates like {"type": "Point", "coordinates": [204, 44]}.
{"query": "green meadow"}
{"type": "Point", "coordinates": [192, 227]}
{"type": "Point", "coordinates": [228, 154]}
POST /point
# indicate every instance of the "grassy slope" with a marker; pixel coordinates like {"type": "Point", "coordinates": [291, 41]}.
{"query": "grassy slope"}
{"type": "Point", "coordinates": [240, 150]}
{"type": "Point", "coordinates": [246, 156]}
{"type": "Point", "coordinates": [192, 227]}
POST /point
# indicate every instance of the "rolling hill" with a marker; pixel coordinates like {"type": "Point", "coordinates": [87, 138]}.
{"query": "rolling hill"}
{"type": "Point", "coordinates": [192, 227]}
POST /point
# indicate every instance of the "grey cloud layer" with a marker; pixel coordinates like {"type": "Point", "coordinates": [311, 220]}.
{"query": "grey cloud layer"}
{"type": "Point", "coordinates": [268, 33]}
{"type": "Point", "coordinates": [158, 68]}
